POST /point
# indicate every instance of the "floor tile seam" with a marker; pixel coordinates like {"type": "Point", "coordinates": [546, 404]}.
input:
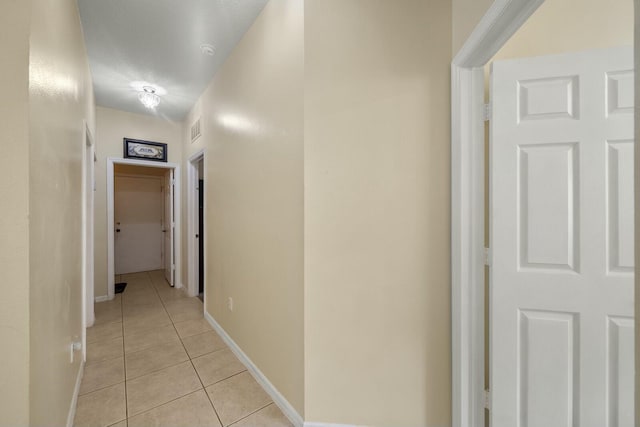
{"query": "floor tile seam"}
{"type": "Point", "coordinates": [157, 370]}
{"type": "Point", "coordinates": [195, 370]}
{"type": "Point", "coordinates": [188, 336]}
{"type": "Point", "coordinates": [127, 318]}
{"type": "Point", "coordinates": [98, 322]}
{"type": "Point", "coordinates": [91, 362]}
{"type": "Point", "coordinates": [153, 346]}
{"type": "Point", "coordinates": [145, 329]}
{"type": "Point", "coordinates": [124, 361]}
{"type": "Point", "coordinates": [118, 422]}
{"type": "Point", "coordinates": [100, 389]}
{"type": "Point", "coordinates": [166, 403]}
{"type": "Point", "coordinates": [95, 362]}
{"type": "Point", "coordinates": [207, 353]}
{"type": "Point", "coordinates": [215, 411]}
{"type": "Point", "coordinates": [162, 302]}
{"type": "Point", "coordinates": [102, 339]}
{"type": "Point", "coordinates": [147, 347]}
{"type": "Point", "coordinates": [186, 311]}
{"type": "Point", "coordinates": [142, 319]}
{"type": "Point", "coordinates": [226, 378]}
{"type": "Point", "coordinates": [105, 324]}
{"type": "Point", "coordinates": [271, 402]}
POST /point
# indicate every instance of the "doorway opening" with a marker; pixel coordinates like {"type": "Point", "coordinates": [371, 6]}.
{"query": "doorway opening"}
{"type": "Point", "coordinates": [143, 219]}
{"type": "Point", "coordinates": [196, 220]}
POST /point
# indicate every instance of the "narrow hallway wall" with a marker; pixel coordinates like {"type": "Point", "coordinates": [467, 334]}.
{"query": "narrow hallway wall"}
{"type": "Point", "coordinates": [60, 103]}
{"type": "Point", "coordinates": [251, 120]}
{"type": "Point", "coordinates": [14, 221]}
{"type": "Point", "coordinates": [377, 212]}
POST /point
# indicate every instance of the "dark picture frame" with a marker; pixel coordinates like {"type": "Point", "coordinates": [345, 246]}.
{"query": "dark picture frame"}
{"type": "Point", "coordinates": [145, 150]}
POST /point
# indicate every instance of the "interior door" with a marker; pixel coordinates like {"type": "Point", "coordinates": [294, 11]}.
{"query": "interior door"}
{"type": "Point", "coordinates": [200, 236]}
{"type": "Point", "coordinates": [561, 298]}
{"type": "Point", "coordinates": [137, 212]}
{"type": "Point", "coordinates": [168, 228]}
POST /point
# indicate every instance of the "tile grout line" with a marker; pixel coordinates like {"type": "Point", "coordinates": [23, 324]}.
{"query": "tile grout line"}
{"type": "Point", "coordinates": [191, 360]}
{"type": "Point", "coordinates": [124, 351]}
{"type": "Point", "coordinates": [125, 354]}
{"type": "Point", "coordinates": [256, 411]}
{"type": "Point", "coordinates": [165, 403]}
{"type": "Point", "coordinates": [124, 364]}
{"type": "Point", "coordinates": [100, 389]}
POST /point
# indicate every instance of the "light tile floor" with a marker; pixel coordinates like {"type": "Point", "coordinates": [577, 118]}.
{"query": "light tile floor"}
{"type": "Point", "coordinates": [153, 360]}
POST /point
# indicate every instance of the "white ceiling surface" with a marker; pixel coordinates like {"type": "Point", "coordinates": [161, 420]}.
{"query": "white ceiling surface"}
{"type": "Point", "coordinates": [158, 41]}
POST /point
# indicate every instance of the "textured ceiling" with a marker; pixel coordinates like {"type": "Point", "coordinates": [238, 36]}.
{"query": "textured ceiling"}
{"type": "Point", "coordinates": [158, 41]}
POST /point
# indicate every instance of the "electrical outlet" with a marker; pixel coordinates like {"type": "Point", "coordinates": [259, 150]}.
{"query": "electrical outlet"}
{"type": "Point", "coordinates": [230, 304]}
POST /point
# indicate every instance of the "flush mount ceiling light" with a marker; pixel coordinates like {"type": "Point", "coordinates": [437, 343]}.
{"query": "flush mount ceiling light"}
{"type": "Point", "coordinates": [148, 93]}
{"type": "Point", "coordinates": [148, 97]}
{"type": "Point", "coordinates": [207, 49]}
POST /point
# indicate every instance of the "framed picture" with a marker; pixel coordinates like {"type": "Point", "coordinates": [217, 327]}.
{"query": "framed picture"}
{"type": "Point", "coordinates": [146, 150]}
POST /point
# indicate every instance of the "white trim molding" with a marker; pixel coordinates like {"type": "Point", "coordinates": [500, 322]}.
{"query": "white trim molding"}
{"type": "Point", "coordinates": [192, 220]}
{"type": "Point", "coordinates": [287, 409]}
{"type": "Point", "coordinates": [102, 298]}
{"type": "Point", "coordinates": [501, 21]}
{"type": "Point", "coordinates": [71, 415]}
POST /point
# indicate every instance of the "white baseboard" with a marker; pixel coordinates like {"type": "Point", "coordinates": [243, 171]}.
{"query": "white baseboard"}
{"type": "Point", "coordinates": [74, 399]}
{"type": "Point", "coordinates": [307, 424]}
{"type": "Point", "coordinates": [103, 298]}
{"type": "Point", "coordinates": [284, 405]}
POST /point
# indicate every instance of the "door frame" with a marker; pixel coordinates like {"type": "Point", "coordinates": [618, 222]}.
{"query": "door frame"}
{"type": "Point", "coordinates": [192, 220]}
{"type": "Point", "coordinates": [88, 243]}
{"type": "Point", "coordinates": [163, 180]}
{"type": "Point", "coordinates": [500, 22]}
{"type": "Point", "coordinates": [111, 161]}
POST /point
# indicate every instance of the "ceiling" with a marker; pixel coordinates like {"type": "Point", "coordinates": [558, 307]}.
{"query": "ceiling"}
{"type": "Point", "coordinates": [158, 42]}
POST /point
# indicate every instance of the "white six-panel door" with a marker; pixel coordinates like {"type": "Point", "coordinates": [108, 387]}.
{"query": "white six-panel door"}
{"type": "Point", "coordinates": [138, 228]}
{"type": "Point", "coordinates": [561, 302]}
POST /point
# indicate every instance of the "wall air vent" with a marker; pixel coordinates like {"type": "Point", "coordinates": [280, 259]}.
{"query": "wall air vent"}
{"type": "Point", "coordinates": [195, 130]}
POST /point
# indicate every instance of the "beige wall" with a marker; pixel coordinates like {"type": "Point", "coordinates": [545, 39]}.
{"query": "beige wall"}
{"type": "Point", "coordinates": [560, 26]}
{"type": "Point", "coordinates": [466, 14]}
{"type": "Point", "coordinates": [60, 100]}
{"type": "Point", "coordinates": [111, 127]}
{"type": "Point", "coordinates": [377, 217]}
{"type": "Point", "coordinates": [593, 18]}
{"type": "Point", "coordinates": [252, 115]}
{"type": "Point", "coordinates": [14, 224]}
{"type": "Point", "coordinates": [637, 204]}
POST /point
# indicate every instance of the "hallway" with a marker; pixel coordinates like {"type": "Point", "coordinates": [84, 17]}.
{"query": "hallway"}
{"type": "Point", "coordinates": [153, 360]}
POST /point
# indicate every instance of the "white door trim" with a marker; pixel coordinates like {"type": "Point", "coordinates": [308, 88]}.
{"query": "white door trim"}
{"type": "Point", "coordinates": [192, 220]}
{"type": "Point", "coordinates": [501, 21]}
{"type": "Point", "coordinates": [88, 188]}
{"type": "Point", "coordinates": [111, 161]}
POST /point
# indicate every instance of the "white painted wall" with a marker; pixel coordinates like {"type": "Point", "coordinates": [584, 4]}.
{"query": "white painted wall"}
{"type": "Point", "coordinates": [60, 100]}
{"type": "Point", "coordinates": [252, 120]}
{"type": "Point", "coordinates": [111, 127]}
{"type": "Point", "coordinates": [14, 221]}
{"type": "Point", "coordinates": [377, 212]}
